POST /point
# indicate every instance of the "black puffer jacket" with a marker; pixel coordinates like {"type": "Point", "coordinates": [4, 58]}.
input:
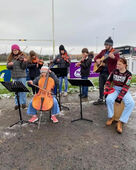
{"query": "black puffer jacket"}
{"type": "Point", "coordinates": [61, 63]}
{"type": "Point", "coordinates": [34, 71]}
{"type": "Point", "coordinates": [85, 66]}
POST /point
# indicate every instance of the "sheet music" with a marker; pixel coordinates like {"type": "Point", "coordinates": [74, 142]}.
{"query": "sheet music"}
{"type": "Point", "coordinates": [15, 86]}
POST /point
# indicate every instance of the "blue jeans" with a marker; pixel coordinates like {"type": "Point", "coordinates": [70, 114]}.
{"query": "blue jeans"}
{"type": "Point", "coordinates": [128, 101]}
{"type": "Point", "coordinates": [61, 82]}
{"type": "Point", "coordinates": [55, 109]}
{"type": "Point", "coordinates": [84, 90]}
{"type": "Point", "coordinates": [22, 95]}
{"type": "Point", "coordinates": [55, 90]}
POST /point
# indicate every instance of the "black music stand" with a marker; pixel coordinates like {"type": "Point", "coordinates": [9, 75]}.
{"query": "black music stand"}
{"type": "Point", "coordinates": [80, 83]}
{"type": "Point", "coordinates": [60, 72]}
{"type": "Point", "coordinates": [16, 87]}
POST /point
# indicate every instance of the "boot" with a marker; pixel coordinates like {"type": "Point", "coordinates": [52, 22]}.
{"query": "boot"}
{"type": "Point", "coordinates": [119, 127]}
{"type": "Point", "coordinates": [98, 102]}
{"type": "Point", "coordinates": [16, 107]}
{"type": "Point", "coordinates": [109, 122]}
{"type": "Point", "coordinates": [23, 106]}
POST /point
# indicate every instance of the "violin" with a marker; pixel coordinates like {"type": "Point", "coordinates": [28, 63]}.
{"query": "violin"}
{"type": "Point", "coordinates": [66, 57]}
{"type": "Point", "coordinates": [43, 100]}
{"type": "Point", "coordinates": [21, 57]}
{"type": "Point", "coordinates": [37, 61]}
{"type": "Point", "coordinates": [82, 60]}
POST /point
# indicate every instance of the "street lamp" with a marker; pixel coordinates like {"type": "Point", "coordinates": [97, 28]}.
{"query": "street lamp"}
{"type": "Point", "coordinates": [113, 29]}
{"type": "Point", "coordinates": [53, 38]}
{"type": "Point", "coordinates": [96, 43]}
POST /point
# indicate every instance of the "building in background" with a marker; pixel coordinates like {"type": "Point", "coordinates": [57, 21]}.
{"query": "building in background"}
{"type": "Point", "coordinates": [129, 52]}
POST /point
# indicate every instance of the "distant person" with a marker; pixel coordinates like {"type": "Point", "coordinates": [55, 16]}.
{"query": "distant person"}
{"type": "Point", "coordinates": [63, 61]}
{"type": "Point", "coordinates": [85, 65]}
{"type": "Point", "coordinates": [121, 79]}
{"type": "Point", "coordinates": [108, 66]}
{"type": "Point", "coordinates": [17, 64]}
{"type": "Point", "coordinates": [34, 66]}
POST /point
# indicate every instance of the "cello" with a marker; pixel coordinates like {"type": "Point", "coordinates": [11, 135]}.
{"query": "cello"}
{"type": "Point", "coordinates": [43, 100]}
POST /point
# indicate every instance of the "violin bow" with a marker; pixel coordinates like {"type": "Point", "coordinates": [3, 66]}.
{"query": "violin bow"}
{"type": "Point", "coordinates": [41, 88]}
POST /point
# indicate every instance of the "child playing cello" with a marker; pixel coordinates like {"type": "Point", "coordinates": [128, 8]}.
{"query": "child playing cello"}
{"type": "Point", "coordinates": [55, 109]}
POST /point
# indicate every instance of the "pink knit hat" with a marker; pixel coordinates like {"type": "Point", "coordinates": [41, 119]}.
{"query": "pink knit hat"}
{"type": "Point", "coordinates": [15, 47]}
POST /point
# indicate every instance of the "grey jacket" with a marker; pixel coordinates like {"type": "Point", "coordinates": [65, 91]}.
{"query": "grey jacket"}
{"type": "Point", "coordinates": [18, 70]}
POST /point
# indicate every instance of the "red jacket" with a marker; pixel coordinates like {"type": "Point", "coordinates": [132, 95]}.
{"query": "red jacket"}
{"type": "Point", "coordinates": [111, 62]}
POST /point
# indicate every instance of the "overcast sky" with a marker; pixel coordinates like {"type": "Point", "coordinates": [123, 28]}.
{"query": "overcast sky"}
{"type": "Point", "coordinates": [78, 23]}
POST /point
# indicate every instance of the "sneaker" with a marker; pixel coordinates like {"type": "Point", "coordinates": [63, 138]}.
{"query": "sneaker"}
{"type": "Point", "coordinates": [23, 106]}
{"type": "Point", "coordinates": [80, 95]}
{"type": "Point", "coordinates": [16, 107]}
{"type": "Point", "coordinates": [65, 94]}
{"type": "Point", "coordinates": [60, 93]}
{"type": "Point", "coordinates": [54, 119]}
{"type": "Point", "coordinates": [33, 119]}
{"type": "Point", "coordinates": [98, 102]}
{"type": "Point", "coordinates": [84, 96]}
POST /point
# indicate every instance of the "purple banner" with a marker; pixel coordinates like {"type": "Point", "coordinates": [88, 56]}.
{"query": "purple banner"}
{"type": "Point", "coordinates": [75, 71]}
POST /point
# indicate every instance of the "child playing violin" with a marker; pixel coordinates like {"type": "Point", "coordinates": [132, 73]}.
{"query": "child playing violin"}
{"type": "Point", "coordinates": [85, 65]}
{"type": "Point", "coordinates": [63, 61]}
{"type": "Point", "coordinates": [55, 109]}
{"type": "Point", "coordinates": [34, 66]}
{"type": "Point", "coordinates": [17, 63]}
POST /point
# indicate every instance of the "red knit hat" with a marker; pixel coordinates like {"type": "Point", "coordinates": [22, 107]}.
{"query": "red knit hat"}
{"type": "Point", "coordinates": [15, 47]}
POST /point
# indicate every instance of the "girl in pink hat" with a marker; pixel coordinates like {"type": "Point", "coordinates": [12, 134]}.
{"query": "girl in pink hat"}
{"type": "Point", "coordinates": [17, 63]}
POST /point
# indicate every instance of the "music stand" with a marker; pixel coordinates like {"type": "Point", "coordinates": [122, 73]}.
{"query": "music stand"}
{"type": "Point", "coordinates": [60, 72]}
{"type": "Point", "coordinates": [16, 87]}
{"type": "Point", "coordinates": [80, 83]}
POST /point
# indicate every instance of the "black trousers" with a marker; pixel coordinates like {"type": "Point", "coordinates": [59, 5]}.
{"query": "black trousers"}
{"type": "Point", "coordinates": [34, 89]}
{"type": "Point", "coordinates": [102, 80]}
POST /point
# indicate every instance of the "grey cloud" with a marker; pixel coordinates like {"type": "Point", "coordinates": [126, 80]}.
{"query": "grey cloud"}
{"type": "Point", "coordinates": [77, 22]}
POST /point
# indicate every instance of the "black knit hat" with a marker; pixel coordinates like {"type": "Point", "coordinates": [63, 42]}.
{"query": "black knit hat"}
{"type": "Point", "coordinates": [109, 41]}
{"type": "Point", "coordinates": [61, 47]}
